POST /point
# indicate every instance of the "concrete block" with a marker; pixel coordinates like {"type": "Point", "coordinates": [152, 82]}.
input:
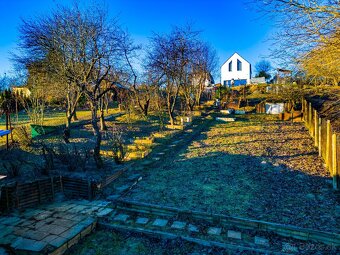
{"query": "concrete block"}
{"type": "Point", "coordinates": [160, 223]}
{"type": "Point", "coordinates": [261, 241]}
{"type": "Point", "coordinates": [193, 228]}
{"type": "Point", "coordinates": [178, 225]}
{"type": "Point", "coordinates": [142, 221]}
{"type": "Point", "coordinates": [121, 217]}
{"type": "Point", "coordinates": [104, 212]}
{"type": "Point", "coordinates": [214, 231]}
{"type": "Point", "coordinates": [234, 234]}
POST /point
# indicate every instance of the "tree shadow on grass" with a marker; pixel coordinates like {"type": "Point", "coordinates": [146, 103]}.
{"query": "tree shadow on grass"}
{"type": "Point", "coordinates": [240, 185]}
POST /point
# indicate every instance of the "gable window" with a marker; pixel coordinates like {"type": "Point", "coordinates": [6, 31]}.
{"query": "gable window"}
{"type": "Point", "coordinates": [230, 66]}
{"type": "Point", "coordinates": [239, 65]}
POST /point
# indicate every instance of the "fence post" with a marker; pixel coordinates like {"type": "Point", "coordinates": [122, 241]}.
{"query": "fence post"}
{"type": "Point", "coordinates": [328, 143]}
{"type": "Point", "coordinates": [52, 188]}
{"type": "Point", "coordinates": [305, 113]}
{"type": "Point", "coordinates": [316, 128]}
{"type": "Point", "coordinates": [334, 159]}
{"type": "Point", "coordinates": [310, 118]}
{"type": "Point", "coordinates": [320, 139]}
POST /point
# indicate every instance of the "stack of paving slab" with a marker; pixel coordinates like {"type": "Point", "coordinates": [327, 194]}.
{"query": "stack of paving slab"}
{"type": "Point", "coordinates": [51, 229]}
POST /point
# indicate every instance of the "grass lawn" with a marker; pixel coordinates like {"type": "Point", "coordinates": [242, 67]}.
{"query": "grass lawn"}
{"type": "Point", "coordinates": [133, 244]}
{"type": "Point", "coordinates": [52, 118]}
{"type": "Point", "coordinates": [256, 167]}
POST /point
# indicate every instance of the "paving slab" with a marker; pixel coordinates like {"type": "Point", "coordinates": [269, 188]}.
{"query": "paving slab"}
{"type": "Point", "coordinates": [63, 215]}
{"type": "Point", "coordinates": [57, 242]}
{"type": "Point", "coordinates": [193, 228]}
{"type": "Point", "coordinates": [261, 241]}
{"type": "Point", "coordinates": [214, 231]}
{"type": "Point", "coordinates": [142, 221]}
{"type": "Point", "coordinates": [65, 223]}
{"type": "Point", "coordinates": [30, 213]}
{"type": "Point", "coordinates": [35, 235]}
{"type": "Point", "coordinates": [28, 244]}
{"type": "Point", "coordinates": [78, 217]}
{"type": "Point", "coordinates": [49, 238]}
{"type": "Point", "coordinates": [87, 221]}
{"type": "Point", "coordinates": [10, 221]}
{"type": "Point", "coordinates": [104, 212]}
{"type": "Point", "coordinates": [121, 217]}
{"type": "Point", "coordinates": [8, 239]}
{"type": "Point", "coordinates": [77, 209]}
{"type": "Point", "coordinates": [53, 229]}
{"type": "Point", "coordinates": [72, 232]}
{"type": "Point", "coordinates": [160, 223]}
{"type": "Point", "coordinates": [101, 203]}
{"type": "Point", "coordinates": [43, 215]}
{"type": "Point", "coordinates": [234, 234]}
{"type": "Point", "coordinates": [37, 225]}
{"type": "Point", "coordinates": [5, 230]}
{"type": "Point", "coordinates": [178, 225]}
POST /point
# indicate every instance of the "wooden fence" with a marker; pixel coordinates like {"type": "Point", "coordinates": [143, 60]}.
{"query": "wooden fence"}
{"type": "Point", "coordinates": [29, 194]}
{"type": "Point", "coordinates": [325, 138]}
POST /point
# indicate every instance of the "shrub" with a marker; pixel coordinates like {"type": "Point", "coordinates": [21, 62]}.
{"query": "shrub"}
{"type": "Point", "coordinates": [12, 168]}
{"type": "Point", "coordinates": [116, 143]}
{"type": "Point", "coordinates": [23, 135]}
{"type": "Point", "coordinates": [73, 157]}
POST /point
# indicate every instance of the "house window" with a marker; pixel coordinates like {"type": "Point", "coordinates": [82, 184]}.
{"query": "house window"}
{"type": "Point", "coordinates": [224, 83]}
{"type": "Point", "coordinates": [239, 65]}
{"type": "Point", "coordinates": [230, 67]}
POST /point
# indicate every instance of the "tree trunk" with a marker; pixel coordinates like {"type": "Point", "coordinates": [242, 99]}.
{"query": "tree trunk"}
{"type": "Point", "coordinates": [146, 107]}
{"type": "Point", "coordinates": [172, 119]}
{"type": "Point", "coordinates": [102, 121]}
{"type": "Point", "coordinates": [170, 111]}
{"type": "Point", "coordinates": [75, 117]}
{"type": "Point", "coordinates": [98, 136]}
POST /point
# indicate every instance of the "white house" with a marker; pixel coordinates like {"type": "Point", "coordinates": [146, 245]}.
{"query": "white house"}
{"type": "Point", "coordinates": [235, 71]}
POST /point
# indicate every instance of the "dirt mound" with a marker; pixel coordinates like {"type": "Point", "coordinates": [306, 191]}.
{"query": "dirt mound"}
{"type": "Point", "coordinates": [328, 106]}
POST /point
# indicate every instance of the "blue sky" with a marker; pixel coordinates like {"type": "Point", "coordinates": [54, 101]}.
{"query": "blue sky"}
{"type": "Point", "coordinates": [228, 25]}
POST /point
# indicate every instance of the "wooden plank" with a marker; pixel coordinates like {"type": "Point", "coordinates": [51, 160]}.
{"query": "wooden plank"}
{"type": "Point", "coordinates": [335, 173]}
{"type": "Point", "coordinates": [328, 143]}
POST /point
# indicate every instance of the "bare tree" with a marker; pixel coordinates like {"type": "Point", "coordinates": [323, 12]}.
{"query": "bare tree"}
{"type": "Point", "coordinates": [85, 46]}
{"type": "Point", "coordinates": [263, 69]}
{"type": "Point", "coordinates": [169, 58]}
{"type": "Point", "coordinates": [302, 25]}
{"type": "Point", "coordinates": [204, 65]}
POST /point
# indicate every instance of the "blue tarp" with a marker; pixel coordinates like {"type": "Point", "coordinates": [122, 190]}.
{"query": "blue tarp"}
{"type": "Point", "coordinates": [4, 132]}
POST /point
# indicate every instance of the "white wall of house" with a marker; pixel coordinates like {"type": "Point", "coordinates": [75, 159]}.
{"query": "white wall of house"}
{"type": "Point", "coordinates": [236, 68]}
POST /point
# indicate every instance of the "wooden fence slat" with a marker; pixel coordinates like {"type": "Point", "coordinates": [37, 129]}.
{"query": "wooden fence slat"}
{"type": "Point", "coordinates": [328, 142]}
{"type": "Point", "coordinates": [334, 159]}
{"type": "Point", "coordinates": [316, 128]}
